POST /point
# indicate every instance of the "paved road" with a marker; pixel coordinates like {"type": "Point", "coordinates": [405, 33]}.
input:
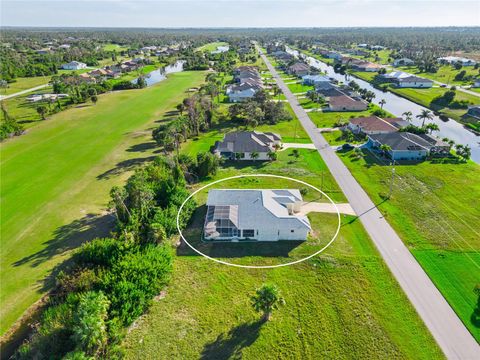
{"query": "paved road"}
{"type": "Point", "coordinates": [447, 329]}
{"type": "Point", "coordinates": [4, 97]}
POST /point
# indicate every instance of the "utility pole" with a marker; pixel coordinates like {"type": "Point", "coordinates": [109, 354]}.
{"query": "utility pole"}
{"type": "Point", "coordinates": [391, 183]}
{"type": "Point", "coordinates": [321, 185]}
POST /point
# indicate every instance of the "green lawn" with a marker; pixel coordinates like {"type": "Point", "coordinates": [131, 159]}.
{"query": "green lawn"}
{"type": "Point", "coordinates": [56, 180]}
{"type": "Point", "coordinates": [342, 304]}
{"type": "Point", "coordinates": [433, 211]}
{"type": "Point", "coordinates": [328, 119]}
{"type": "Point", "coordinates": [365, 75]}
{"type": "Point", "coordinates": [211, 46]}
{"type": "Point", "coordinates": [26, 83]}
{"type": "Point", "coordinates": [116, 47]}
{"type": "Point", "coordinates": [445, 74]}
{"type": "Point", "coordinates": [299, 87]}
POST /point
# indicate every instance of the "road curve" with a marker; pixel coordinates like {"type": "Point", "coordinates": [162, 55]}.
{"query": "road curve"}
{"type": "Point", "coordinates": [451, 335]}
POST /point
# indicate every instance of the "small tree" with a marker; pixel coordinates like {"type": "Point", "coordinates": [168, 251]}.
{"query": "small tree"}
{"type": "Point", "coordinates": [42, 111]}
{"type": "Point", "coordinates": [385, 149]}
{"type": "Point", "coordinates": [295, 154]}
{"type": "Point", "coordinates": [272, 155]}
{"type": "Point", "coordinates": [266, 299]}
{"type": "Point", "coordinates": [382, 102]}
{"type": "Point", "coordinates": [254, 155]}
{"type": "Point", "coordinates": [94, 99]}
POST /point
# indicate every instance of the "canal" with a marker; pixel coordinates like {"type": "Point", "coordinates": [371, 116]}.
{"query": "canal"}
{"type": "Point", "coordinates": [398, 105]}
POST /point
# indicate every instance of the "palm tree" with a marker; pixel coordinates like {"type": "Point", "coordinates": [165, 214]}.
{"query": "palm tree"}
{"type": "Point", "coordinates": [266, 299]}
{"type": "Point", "coordinates": [238, 156]}
{"type": "Point", "coordinates": [408, 116]}
{"type": "Point", "coordinates": [424, 115]}
{"type": "Point", "coordinates": [254, 155]}
{"type": "Point", "coordinates": [381, 103]}
{"type": "Point", "coordinates": [432, 127]}
{"type": "Point", "coordinates": [385, 149]}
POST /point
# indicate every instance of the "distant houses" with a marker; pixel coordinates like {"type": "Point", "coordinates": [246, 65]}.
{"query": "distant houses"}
{"type": "Point", "coordinates": [240, 145]}
{"type": "Point", "coordinates": [375, 125]}
{"type": "Point", "coordinates": [360, 65]}
{"type": "Point", "coordinates": [405, 80]}
{"type": "Point", "coordinates": [74, 65]}
{"type": "Point", "coordinates": [403, 62]}
{"type": "Point", "coordinates": [298, 69]}
{"type": "Point", "coordinates": [260, 215]}
{"type": "Point", "coordinates": [45, 97]}
{"type": "Point", "coordinates": [408, 146]}
{"type": "Point", "coordinates": [315, 80]}
{"type": "Point", "coordinates": [452, 60]}
{"type": "Point", "coordinates": [247, 81]}
{"type": "Point", "coordinates": [476, 83]}
{"type": "Point", "coordinates": [413, 82]}
{"type": "Point", "coordinates": [342, 99]}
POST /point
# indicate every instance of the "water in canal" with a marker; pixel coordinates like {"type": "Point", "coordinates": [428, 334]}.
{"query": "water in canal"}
{"type": "Point", "coordinates": [161, 74]}
{"type": "Point", "coordinates": [398, 105]}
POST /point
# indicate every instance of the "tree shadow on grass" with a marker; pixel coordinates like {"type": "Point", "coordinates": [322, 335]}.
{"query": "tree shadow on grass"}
{"type": "Point", "coordinates": [231, 345]}
{"type": "Point", "coordinates": [70, 236]}
{"type": "Point", "coordinates": [124, 166]}
{"type": "Point", "coordinates": [142, 147]}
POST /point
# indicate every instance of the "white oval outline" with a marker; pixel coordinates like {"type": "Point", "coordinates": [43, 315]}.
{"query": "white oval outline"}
{"type": "Point", "coordinates": [258, 266]}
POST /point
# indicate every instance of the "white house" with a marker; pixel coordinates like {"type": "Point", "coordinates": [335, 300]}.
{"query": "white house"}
{"type": "Point", "coordinates": [456, 59]}
{"type": "Point", "coordinates": [413, 82]}
{"type": "Point", "coordinates": [74, 65]}
{"type": "Point", "coordinates": [241, 92]}
{"type": "Point", "coordinates": [476, 84]}
{"type": "Point", "coordinates": [403, 62]}
{"type": "Point", "coordinates": [240, 145]}
{"type": "Point", "coordinates": [395, 75]}
{"type": "Point", "coordinates": [315, 79]}
{"type": "Point", "coordinates": [257, 215]}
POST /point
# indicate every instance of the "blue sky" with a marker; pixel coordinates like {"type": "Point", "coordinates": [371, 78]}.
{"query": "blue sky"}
{"type": "Point", "coordinates": [239, 13]}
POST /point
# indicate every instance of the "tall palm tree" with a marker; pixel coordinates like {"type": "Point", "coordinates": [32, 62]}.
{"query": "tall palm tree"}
{"type": "Point", "coordinates": [381, 103]}
{"type": "Point", "coordinates": [254, 155]}
{"type": "Point", "coordinates": [425, 115]}
{"type": "Point", "coordinates": [408, 116]}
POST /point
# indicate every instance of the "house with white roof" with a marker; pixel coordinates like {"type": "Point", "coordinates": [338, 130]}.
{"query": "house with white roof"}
{"type": "Point", "coordinates": [403, 62]}
{"type": "Point", "coordinates": [315, 79]}
{"type": "Point", "coordinates": [456, 59]}
{"type": "Point", "coordinates": [74, 65]}
{"type": "Point", "coordinates": [256, 215]}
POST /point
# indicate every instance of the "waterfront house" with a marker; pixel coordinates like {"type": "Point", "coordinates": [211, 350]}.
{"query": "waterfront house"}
{"type": "Point", "coordinates": [299, 69]}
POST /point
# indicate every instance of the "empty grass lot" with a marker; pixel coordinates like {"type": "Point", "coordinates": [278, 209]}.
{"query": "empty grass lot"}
{"type": "Point", "coordinates": [342, 304]}
{"type": "Point", "coordinates": [56, 181]}
{"type": "Point", "coordinates": [25, 83]}
{"type": "Point", "coordinates": [445, 74]}
{"type": "Point", "coordinates": [433, 209]}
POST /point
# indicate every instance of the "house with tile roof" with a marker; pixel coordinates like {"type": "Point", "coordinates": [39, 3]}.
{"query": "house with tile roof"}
{"type": "Point", "coordinates": [255, 215]}
{"type": "Point", "coordinates": [240, 145]}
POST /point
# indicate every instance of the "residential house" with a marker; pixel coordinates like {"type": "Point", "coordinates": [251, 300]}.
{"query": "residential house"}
{"type": "Point", "coordinates": [239, 145]}
{"type": "Point", "coordinates": [257, 215]}
{"type": "Point", "coordinates": [299, 69]}
{"type": "Point", "coordinates": [377, 47]}
{"type": "Point", "coordinates": [456, 59]}
{"type": "Point", "coordinates": [342, 100]}
{"type": "Point", "coordinates": [363, 46]}
{"type": "Point", "coordinates": [394, 75]}
{"type": "Point", "coordinates": [74, 65]}
{"type": "Point", "coordinates": [315, 80]}
{"type": "Point", "coordinates": [408, 146]}
{"type": "Point", "coordinates": [103, 73]}
{"type": "Point", "coordinates": [476, 84]}
{"type": "Point", "coordinates": [366, 66]}
{"type": "Point", "coordinates": [413, 82]}
{"type": "Point", "coordinates": [374, 125]}
{"type": "Point", "coordinates": [474, 111]}
{"type": "Point", "coordinates": [403, 62]}
{"type": "Point", "coordinates": [247, 82]}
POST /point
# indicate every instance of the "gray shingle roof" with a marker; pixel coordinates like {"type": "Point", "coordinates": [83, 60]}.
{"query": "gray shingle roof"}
{"type": "Point", "coordinates": [247, 141]}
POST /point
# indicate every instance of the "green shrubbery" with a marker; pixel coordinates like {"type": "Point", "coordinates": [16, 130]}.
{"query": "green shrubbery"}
{"type": "Point", "coordinates": [113, 280]}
